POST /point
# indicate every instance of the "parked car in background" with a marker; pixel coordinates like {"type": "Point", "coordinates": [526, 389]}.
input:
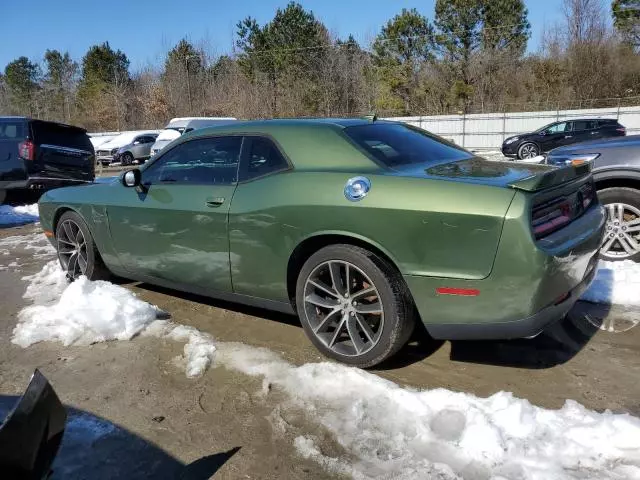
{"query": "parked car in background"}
{"type": "Point", "coordinates": [106, 152]}
{"type": "Point", "coordinates": [362, 227]}
{"type": "Point", "coordinates": [178, 126]}
{"type": "Point", "coordinates": [35, 154]}
{"type": "Point", "coordinates": [616, 171]}
{"type": "Point", "coordinates": [139, 150]}
{"type": "Point", "coordinates": [558, 134]}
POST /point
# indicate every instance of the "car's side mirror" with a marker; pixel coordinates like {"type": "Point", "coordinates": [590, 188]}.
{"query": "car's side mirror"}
{"type": "Point", "coordinates": [133, 179]}
{"type": "Point", "coordinates": [543, 133]}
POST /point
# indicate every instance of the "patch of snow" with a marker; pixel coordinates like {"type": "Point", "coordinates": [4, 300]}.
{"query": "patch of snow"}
{"type": "Point", "coordinates": [536, 159]}
{"type": "Point", "coordinates": [393, 432]}
{"type": "Point", "coordinates": [616, 283]}
{"type": "Point", "coordinates": [19, 215]}
{"type": "Point", "coordinates": [35, 242]}
{"type": "Point", "coordinates": [85, 312]}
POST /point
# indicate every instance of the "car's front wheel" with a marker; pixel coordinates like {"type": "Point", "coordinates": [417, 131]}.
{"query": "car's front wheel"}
{"type": "Point", "coordinates": [77, 251]}
{"type": "Point", "coordinates": [127, 159]}
{"type": "Point", "coordinates": [528, 150]}
{"type": "Point", "coordinates": [354, 305]}
{"type": "Point", "coordinates": [622, 236]}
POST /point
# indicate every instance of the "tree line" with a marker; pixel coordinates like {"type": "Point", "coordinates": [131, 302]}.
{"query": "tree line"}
{"type": "Point", "coordinates": [472, 57]}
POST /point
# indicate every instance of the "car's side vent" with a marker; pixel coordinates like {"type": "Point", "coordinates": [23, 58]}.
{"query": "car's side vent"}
{"type": "Point", "coordinates": [551, 215]}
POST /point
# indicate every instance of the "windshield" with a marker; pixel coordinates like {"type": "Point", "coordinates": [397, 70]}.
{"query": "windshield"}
{"type": "Point", "coordinates": [170, 134]}
{"type": "Point", "coordinates": [546, 127]}
{"type": "Point", "coordinates": [398, 144]}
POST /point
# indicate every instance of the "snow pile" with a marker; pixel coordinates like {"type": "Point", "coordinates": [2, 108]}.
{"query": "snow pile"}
{"type": "Point", "coordinates": [391, 432]}
{"type": "Point", "coordinates": [85, 312]}
{"type": "Point", "coordinates": [19, 215]}
{"type": "Point", "coordinates": [616, 283]}
{"type": "Point", "coordinates": [536, 159]}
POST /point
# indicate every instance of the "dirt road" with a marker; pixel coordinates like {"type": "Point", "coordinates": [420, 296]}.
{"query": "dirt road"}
{"type": "Point", "coordinates": [165, 421]}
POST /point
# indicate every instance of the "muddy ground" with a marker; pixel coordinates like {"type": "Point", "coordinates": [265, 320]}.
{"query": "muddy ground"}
{"type": "Point", "coordinates": [227, 424]}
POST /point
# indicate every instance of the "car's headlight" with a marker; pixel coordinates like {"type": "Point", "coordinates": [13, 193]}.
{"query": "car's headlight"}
{"type": "Point", "coordinates": [573, 159]}
{"type": "Point", "coordinates": [511, 140]}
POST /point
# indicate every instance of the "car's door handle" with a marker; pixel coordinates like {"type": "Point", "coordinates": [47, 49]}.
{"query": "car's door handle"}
{"type": "Point", "coordinates": [568, 136]}
{"type": "Point", "coordinates": [215, 202]}
{"type": "Point", "coordinates": [593, 133]}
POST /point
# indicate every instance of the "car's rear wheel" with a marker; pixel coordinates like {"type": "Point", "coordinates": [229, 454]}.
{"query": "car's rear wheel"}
{"type": "Point", "coordinates": [127, 159]}
{"type": "Point", "coordinates": [622, 237]}
{"type": "Point", "coordinates": [353, 305]}
{"type": "Point", "coordinates": [77, 251]}
{"type": "Point", "coordinates": [528, 150]}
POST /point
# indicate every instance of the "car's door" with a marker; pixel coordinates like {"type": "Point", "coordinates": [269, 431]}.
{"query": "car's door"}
{"type": "Point", "coordinates": [556, 135]}
{"type": "Point", "coordinates": [258, 240]}
{"type": "Point", "coordinates": [177, 230]}
{"type": "Point", "coordinates": [137, 146]}
{"type": "Point", "coordinates": [584, 130]}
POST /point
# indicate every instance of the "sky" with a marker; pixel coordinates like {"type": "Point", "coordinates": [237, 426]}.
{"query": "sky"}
{"type": "Point", "coordinates": [145, 30]}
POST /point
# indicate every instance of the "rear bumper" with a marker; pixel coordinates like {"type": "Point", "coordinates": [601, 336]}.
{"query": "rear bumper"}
{"type": "Point", "coordinates": [44, 183]}
{"type": "Point", "coordinates": [522, 328]}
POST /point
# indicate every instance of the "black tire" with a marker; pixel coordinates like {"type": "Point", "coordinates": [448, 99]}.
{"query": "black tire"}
{"type": "Point", "coordinates": [3, 196]}
{"type": "Point", "coordinates": [628, 196]}
{"type": "Point", "coordinates": [399, 310]}
{"type": "Point", "coordinates": [95, 269]}
{"type": "Point", "coordinates": [127, 159]}
{"type": "Point", "coordinates": [528, 145]}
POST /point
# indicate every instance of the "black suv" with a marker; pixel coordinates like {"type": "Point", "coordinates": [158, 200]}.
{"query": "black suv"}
{"type": "Point", "coordinates": [35, 154]}
{"type": "Point", "coordinates": [559, 134]}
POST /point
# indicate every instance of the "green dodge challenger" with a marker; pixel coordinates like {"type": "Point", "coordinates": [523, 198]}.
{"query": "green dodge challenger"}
{"type": "Point", "coordinates": [361, 227]}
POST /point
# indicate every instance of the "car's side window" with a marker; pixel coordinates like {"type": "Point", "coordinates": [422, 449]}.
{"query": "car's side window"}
{"type": "Point", "coordinates": [580, 125]}
{"type": "Point", "coordinates": [201, 161]}
{"type": "Point", "coordinates": [560, 127]}
{"type": "Point", "coordinates": [263, 158]}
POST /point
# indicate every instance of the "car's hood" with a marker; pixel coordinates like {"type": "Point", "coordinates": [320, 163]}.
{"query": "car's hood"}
{"type": "Point", "coordinates": [523, 176]}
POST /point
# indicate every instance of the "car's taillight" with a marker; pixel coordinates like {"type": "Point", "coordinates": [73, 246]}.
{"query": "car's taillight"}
{"type": "Point", "coordinates": [622, 130]}
{"type": "Point", "coordinates": [26, 150]}
{"type": "Point", "coordinates": [550, 216]}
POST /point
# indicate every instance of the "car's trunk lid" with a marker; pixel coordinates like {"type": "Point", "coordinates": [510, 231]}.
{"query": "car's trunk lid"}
{"type": "Point", "coordinates": [477, 170]}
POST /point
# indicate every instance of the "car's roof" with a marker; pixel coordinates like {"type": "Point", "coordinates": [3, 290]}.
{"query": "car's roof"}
{"type": "Point", "coordinates": [283, 124]}
{"type": "Point", "coordinates": [49, 122]}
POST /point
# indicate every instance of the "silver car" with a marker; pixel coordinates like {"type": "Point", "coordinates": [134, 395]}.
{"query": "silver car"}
{"type": "Point", "coordinates": [138, 150]}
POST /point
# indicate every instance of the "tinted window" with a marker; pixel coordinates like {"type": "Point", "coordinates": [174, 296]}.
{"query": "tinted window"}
{"type": "Point", "coordinates": [263, 158]}
{"type": "Point", "coordinates": [584, 124]}
{"type": "Point", "coordinates": [45, 133]}
{"type": "Point", "coordinates": [205, 160]}
{"type": "Point", "coordinates": [12, 130]}
{"type": "Point", "coordinates": [399, 144]}
{"type": "Point", "coordinates": [560, 127]}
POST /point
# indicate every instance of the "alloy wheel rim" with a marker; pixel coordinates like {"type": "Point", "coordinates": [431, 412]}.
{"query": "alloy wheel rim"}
{"type": "Point", "coordinates": [529, 151]}
{"type": "Point", "coordinates": [72, 249]}
{"type": "Point", "coordinates": [343, 308]}
{"type": "Point", "coordinates": [622, 234]}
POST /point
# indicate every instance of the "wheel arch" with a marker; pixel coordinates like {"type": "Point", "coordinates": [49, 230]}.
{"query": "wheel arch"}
{"type": "Point", "coordinates": [312, 243]}
{"type": "Point", "coordinates": [617, 178]}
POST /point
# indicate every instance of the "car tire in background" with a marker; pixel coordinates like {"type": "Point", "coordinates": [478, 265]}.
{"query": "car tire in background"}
{"type": "Point", "coordinates": [623, 224]}
{"type": "Point", "coordinates": [354, 306]}
{"type": "Point", "coordinates": [77, 251]}
{"type": "Point", "coordinates": [528, 150]}
{"type": "Point", "coordinates": [127, 159]}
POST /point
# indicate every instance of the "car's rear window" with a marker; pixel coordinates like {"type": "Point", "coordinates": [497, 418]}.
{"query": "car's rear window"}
{"type": "Point", "coordinates": [12, 130]}
{"type": "Point", "coordinates": [61, 135]}
{"type": "Point", "coordinates": [398, 144]}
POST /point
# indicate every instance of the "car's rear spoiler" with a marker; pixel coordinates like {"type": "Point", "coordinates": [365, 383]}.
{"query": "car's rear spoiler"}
{"type": "Point", "coordinates": [552, 178]}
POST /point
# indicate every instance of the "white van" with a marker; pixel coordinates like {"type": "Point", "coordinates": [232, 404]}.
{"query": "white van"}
{"type": "Point", "coordinates": [178, 126]}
